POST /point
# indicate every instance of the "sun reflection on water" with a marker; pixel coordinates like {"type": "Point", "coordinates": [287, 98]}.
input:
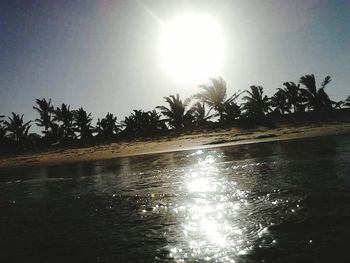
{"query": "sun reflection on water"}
{"type": "Point", "coordinates": [210, 214]}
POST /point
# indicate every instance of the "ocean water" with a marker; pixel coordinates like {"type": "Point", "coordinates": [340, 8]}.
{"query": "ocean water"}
{"type": "Point", "coordinates": [286, 201]}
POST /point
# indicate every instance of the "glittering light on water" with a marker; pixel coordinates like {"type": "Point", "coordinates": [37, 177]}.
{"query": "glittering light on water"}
{"type": "Point", "coordinates": [211, 229]}
{"type": "Point", "coordinates": [200, 185]}
{"type": "Point", "coordinates": [210, 214]}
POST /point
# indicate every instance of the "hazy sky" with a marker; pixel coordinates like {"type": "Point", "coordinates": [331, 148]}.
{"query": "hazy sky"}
{"type": "Point", "coordinates": [104, 55]}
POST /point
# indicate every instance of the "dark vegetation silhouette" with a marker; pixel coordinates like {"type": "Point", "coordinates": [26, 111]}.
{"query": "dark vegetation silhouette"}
{"type": "Point", "coordinates": [83, 124]}
{"type": "Point", "coordinates": [294, 99]}
{"type": "Point", "coordinates": [142, 123]}
{"type": "Point", "coordinates": [215, 96]}
{"type": "Point", "coordinates": [107, 127]}
{"type": "Point", "coordinates": [64, 119]}
{"type": "Point", "coordinates": [176, 115]}
{"type": "Point", "coordinates": [317, 98]}
{"type": "Point", "coordinates": [45, 110]}
{"type": "Point", "coordinates": [256, 105]}
{"type": "Point", "coordinates": [210, 107]}
{"type": "Point", "coordinates": [200, 115]}
{"type": "Point", "coordinates": [17, 128]}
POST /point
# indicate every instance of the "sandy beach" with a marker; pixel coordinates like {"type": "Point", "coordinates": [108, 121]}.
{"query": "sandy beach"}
{"type": "Point", "coordinates": [195, 140]}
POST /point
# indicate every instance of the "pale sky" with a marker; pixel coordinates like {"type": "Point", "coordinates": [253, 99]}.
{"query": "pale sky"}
{"type": "Point", "coordinates": [104, 55]}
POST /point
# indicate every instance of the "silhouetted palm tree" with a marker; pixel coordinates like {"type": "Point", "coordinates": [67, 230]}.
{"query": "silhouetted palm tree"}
{"type": "Point", "coordinates": [200, 116]}
{"type": "Point", "coordinates": [294, 96]}
{"type": "Point", "coordinates": [82, 123]}
{"type": "Point", "coordinates": [45, 110]}
{"type": "Point", "coordinates": [317, 99]}
{"type": "Point", "coordinates": [137, 122]}
{"type": "Point", "coordinates": [215, 96]}
{"type": "Point", "coordinates": [130, 123]}
{"type": "Point", "coordinates": [17, 127]}
{"type": "Point", "coordinates": [256, 105]}
{"type": "Point", "coordinates": [107, 126]}
{"type": "Point", "coordinates": [232, 111]}
{"type": "Point", "coordinates": [155, 122]}
{"type": "Point", "coordinates": [56, 133]}
{"type": "Point", "coordinates": [176, 115]}
{"type": "Point", "coordinates": [65, 116]}
{"type": "Point", "coordinates": [143, 123]}
{"type": "Point", "coordinates": [279, 102]}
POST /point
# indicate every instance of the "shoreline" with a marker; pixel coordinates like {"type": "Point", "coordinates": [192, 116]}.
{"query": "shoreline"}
{"type": "Point", "coordinates": [196, 140]}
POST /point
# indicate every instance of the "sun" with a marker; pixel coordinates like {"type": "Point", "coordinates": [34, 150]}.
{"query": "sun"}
{"type": "Point", "coordinates": [192, 48]}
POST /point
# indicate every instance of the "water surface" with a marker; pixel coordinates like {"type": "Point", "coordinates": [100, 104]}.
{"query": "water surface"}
{"type": "Point", "coordinates": [286, 201]}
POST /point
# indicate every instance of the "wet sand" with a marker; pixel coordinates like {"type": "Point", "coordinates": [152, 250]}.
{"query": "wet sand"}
{"type": "Point", "coordinates": [195, 140]}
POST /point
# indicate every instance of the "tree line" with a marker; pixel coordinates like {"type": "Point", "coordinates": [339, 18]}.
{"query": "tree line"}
{"type": "Point", "coordinates": [64, 125]}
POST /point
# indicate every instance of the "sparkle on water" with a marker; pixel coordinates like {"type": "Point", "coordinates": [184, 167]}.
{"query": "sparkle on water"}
{"type": "Point", "coordinates": [246, 203]}
{"type": "Point", "coordinates": [210, 214]}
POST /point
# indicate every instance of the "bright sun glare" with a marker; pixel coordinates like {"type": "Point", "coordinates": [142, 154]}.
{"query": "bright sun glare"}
{"type": "Point", "coordinates": [192, 48]}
